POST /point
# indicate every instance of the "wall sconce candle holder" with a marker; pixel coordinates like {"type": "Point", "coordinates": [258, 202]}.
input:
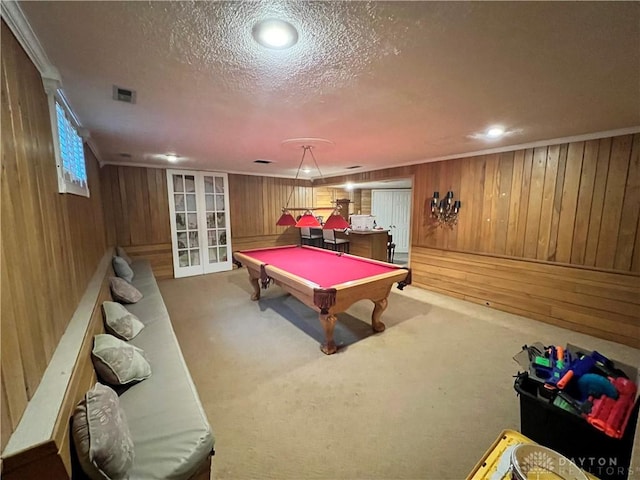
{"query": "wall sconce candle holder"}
{"type": "Point", "coordinates": [445, 211]}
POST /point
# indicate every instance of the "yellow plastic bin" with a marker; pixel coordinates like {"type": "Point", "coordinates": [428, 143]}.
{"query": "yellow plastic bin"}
{"type": "Point", "coordinates": [495, 462]}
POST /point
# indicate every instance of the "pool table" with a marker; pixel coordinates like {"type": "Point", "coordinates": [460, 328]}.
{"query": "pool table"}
{"type": "Point", "coordinates": [325, 280]}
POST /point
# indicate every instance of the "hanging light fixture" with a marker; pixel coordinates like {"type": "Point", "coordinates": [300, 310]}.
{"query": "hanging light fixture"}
{"type": "Point", "coordinates": [286, 219]}
{"type": "Point", "coordinates": [335, 221]}
{"type": "Point", "coordinates": [308, 218]}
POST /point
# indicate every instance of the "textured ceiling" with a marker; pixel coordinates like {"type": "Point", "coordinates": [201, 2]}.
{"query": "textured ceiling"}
{"type": "Point", "coordinates": [388, 83]}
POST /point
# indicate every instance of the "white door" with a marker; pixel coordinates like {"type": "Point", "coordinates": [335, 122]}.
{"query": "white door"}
{"type": "Point", "coordinates": [382, 209]}
{"type": "Point", "coordinates": [200, 233]}
{"type": "Point", "coordinates": [392, 209]}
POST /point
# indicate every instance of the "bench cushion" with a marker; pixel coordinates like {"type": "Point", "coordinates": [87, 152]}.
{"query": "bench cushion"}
{"type": "Point", "coordinates": [170, 431]}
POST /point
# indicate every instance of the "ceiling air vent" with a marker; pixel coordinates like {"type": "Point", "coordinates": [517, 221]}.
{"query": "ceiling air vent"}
{"type": "Point", "coordinates": [124, 155]}
{"type": "Point", "coordinates": [355, 166]}
{"type": "Point", "coordinates": [262, 161]}
{"type": "Point", "coordinates": [124, 94]}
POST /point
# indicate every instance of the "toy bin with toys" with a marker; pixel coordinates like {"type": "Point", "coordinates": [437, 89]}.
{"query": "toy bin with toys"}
{"type": "Point", "coordinates": [581, 404]}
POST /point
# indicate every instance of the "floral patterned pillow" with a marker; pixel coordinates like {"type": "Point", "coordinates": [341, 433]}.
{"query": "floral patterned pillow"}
{"type": "Point", "coordinates": [117, 362]}
{"type": "Point", "coordinates": [122, 291]}
{"type": "Point", "coordinates": [101, 435]}
{"type": "Point", "coordinates": [120, 322]}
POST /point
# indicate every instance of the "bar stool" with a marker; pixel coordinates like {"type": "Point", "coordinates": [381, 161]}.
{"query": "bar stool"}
{"type": "Point", "coordinates": [391, 248]}
{"type": "Point", "coordinates": [310, 236]}
{"type": "Point", "coordinates": [337, 244]}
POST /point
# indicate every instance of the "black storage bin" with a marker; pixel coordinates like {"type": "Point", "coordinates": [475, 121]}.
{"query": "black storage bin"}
{"type": "Point", "coordinates": [572, 436]}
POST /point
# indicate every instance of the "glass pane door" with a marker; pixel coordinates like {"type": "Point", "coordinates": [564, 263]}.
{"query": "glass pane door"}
{"type": "Point", "coordinates": [217, 252]}
{"type": "Point", "coordinates": [198, 204]}
{"type": "Point", "coordinates": [183, 207]}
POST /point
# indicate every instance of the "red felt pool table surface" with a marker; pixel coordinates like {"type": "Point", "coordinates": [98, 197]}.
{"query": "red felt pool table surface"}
{"type": "Point", "coordinates": [326, 268]}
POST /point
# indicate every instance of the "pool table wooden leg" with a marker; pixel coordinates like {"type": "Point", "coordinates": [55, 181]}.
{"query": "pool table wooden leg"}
{"type": "Point", "coordinates": [255, 283]}
{"type": "Point", "coordinates": [380, 306]}
{"type": "Point", "coordinates": [328, 321]}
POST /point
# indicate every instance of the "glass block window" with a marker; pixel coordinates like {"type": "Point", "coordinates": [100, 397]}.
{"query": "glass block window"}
{"type": "Point", "coordinates": [72, 170]}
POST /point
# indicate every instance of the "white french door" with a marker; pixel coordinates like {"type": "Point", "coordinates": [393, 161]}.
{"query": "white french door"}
{"type": "Point", "coordinates": [200, 227]}
{"type": "Point", "coordinates": [392, 209]}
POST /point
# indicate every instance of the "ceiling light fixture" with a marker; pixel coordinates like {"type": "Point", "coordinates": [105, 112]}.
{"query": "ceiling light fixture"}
{"type": "Point", "coordinates": [495, 132]}
{"type": "Point", "coordinates": [171, 157]}
{"type": "Point", "coordinates": [308, 218]}
{"type": "Point", "coordinates": [275, 34]}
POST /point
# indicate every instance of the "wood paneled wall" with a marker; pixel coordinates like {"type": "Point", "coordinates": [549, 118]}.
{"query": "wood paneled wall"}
{"type": "Point", "coordinates": [571, 208]}
{"type": "Point", "coordinates": [326, 197]}
{"type": "Point", "coordinates": [136, 209]}
{"type": "Point", "coordinates": [51, 243]}
{"type": "Point", "coordinates": [575, 203]}
{"type": "Point", "coordinates": [256, 204]}
{"type": "Point", "coordinates": [365, 201]}
{"type": "Point", "coordinates": [602, 304]}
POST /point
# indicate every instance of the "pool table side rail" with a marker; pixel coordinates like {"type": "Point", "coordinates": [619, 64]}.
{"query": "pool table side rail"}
{"type": "Point", "coordinates": [348, 255]}
{"type": "Point", "coordinates": [323, 250]}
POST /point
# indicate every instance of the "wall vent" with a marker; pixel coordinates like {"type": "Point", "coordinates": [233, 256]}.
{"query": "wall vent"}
{"type": "Point", "coordinates": [262, 161]}
{"type": "Point", "coordinates": [124, 94]}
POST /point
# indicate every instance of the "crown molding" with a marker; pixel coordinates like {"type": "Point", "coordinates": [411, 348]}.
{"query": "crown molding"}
{"type": "Point", "coordinates": [17, 22]}
{"type": "Point", "coordinates": [19, 26]}
{"type": "Point", "coordinates": [94, 149]}
{"type": "Point", "coordinates": [506, 148]}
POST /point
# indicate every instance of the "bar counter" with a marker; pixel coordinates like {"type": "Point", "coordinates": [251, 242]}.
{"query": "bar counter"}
{"type": "Point", "coordinates": [367, 243]}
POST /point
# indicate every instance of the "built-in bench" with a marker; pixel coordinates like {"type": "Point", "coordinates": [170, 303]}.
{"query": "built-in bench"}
{"type": "Point", "coordinates": [171, 435]}
{"type": "Point", "coordinates": [170, 432]}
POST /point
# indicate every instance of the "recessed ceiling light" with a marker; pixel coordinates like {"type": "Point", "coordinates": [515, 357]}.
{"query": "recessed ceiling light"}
{"type": "Point", "coordinates": [495, 132]}
{"type": "Point", "coordinates": [171, 157]}
{"type": "Point", "coordinates": [275, 34]}
{"type": "Point", "coordinates": [306, 170]}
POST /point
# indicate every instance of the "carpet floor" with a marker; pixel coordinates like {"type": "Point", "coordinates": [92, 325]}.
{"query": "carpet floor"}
{"type": "Point", "coordinates": [423, 400]}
